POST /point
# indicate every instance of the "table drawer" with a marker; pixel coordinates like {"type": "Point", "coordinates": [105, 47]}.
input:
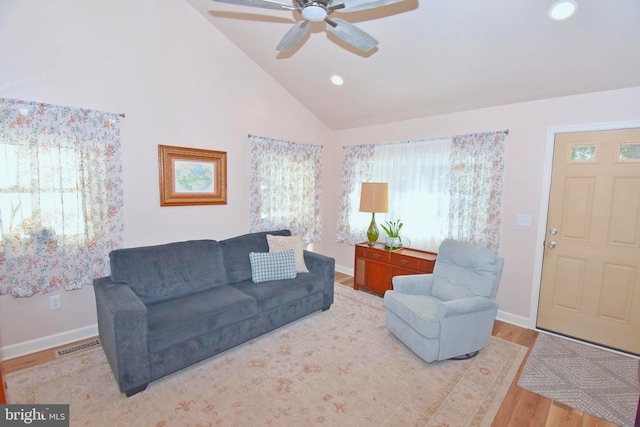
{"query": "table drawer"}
{"type": "Point", "coordinates": [405, 261]}
{"type": "Point", "coordinates": [426, 265]}
{"type": "Point", "coordinates": [372, 254]}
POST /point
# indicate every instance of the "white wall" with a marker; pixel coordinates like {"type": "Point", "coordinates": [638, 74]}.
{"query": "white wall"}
{"type": "Point", "coordinates": [180, 82]}
{"type": "Point", "coordinates": [523, 191]}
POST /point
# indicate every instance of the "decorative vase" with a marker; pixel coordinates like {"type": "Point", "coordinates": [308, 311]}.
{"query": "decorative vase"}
{"type": "Point", "coordinates": [392, 242]}
{"type": "Point", "coordinates": [372, 231]}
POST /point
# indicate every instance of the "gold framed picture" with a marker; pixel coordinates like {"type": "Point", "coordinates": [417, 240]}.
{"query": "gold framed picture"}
{"type": "Point", "coordinates": [192, 176]}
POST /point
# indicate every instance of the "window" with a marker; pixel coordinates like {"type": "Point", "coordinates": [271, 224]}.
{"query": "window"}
{"type": "Point", "coordinates": [285, 187]}
{"type": "Point", "coordinates": [418, 190]}
{"type": "Point", "coordinates": [60, 196]}
{"type": "Point", "coordinates": [439, 188]}
{"type": "Point", "coordinates": [27, 212]}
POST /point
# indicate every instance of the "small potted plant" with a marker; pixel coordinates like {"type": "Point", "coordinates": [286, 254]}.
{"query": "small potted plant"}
{"type": "Point", "coordinates": [393, 239]}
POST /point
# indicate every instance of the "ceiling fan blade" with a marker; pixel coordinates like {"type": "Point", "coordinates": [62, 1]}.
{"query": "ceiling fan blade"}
{"type": "Point", "coordinates": [356, 5]}
{"type": "Point", "coordinates": [351, 34]}
{"type": "Point", "coordinates": [264, 4]}
{"type": "Point", "coordinates": [293, 36]}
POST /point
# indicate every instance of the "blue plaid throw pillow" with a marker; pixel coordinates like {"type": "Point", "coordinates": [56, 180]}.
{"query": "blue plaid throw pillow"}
{"type": "Point", "coordinates": [267, 266]}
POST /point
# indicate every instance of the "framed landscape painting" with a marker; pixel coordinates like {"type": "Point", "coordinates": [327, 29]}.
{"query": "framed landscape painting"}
{"type": "Point", "coordinates": [192, 176]}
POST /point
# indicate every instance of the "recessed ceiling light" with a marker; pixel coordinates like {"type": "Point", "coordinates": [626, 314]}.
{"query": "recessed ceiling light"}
{"type": "Point", "coordinates": [562, 9]}
{"type": "Point", "coordinates": [337, 80]}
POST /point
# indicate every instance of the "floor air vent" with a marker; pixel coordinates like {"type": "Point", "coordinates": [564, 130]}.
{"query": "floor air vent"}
{"type": "Point", "coordinates": [76, 348]}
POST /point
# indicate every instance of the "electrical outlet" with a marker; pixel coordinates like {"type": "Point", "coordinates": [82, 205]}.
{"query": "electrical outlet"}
{"type": "Point", "coordinates": [54, 302]}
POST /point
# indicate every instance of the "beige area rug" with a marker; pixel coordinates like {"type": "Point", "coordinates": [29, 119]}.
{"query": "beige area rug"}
{"type": "Point", "coordinates": [340, 367]}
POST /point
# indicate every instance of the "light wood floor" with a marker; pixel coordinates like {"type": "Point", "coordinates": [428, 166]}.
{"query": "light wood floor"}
{"type": "Point", "coordinates": [520, 408]}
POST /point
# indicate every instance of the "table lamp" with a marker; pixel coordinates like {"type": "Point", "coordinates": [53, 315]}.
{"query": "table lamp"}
{"type": "Point", "coordinates": [374, 197]}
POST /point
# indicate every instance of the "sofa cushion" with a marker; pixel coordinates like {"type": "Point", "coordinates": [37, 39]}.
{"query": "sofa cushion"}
{"type": "Point", "coordinates": [266, 266]}
{"type": "Point", "coordinates": [158, 273]}
{"type": "Point", "coordinates": [236, 253]}
{"type": "Point", "coordinates": [274, 294]}
{"type": "Point", "coordinates": [282, 243]}
{"type": "Point", "coordinates": [182, 319]}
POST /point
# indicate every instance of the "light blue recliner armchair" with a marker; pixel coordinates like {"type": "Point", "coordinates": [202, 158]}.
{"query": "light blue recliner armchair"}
{"type": "Point", "coordinates": [448, 314]}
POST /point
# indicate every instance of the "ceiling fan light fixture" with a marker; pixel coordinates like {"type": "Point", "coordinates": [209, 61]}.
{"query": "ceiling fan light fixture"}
{"type": "Point", "coordinates": [562, 9]}
{"type": "Point", "coordinates": [314, 13]}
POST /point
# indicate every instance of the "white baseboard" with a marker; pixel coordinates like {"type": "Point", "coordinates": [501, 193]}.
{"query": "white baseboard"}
{"type": "Point", "coordinates": [45, 343]}
{"type": "Point", "coordinates": [514, 319]}
{"type": "Point", "coordinates": [344, 270]}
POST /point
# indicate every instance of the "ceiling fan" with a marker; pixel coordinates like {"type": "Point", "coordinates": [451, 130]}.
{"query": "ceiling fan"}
{"type": "Point", "coordinates": [319, 10]}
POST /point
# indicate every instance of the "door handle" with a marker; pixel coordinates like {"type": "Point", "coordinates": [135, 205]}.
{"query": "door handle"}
{"type": "Point", "coordinates": [552, 245]}
{"type": "Point", "coordinates": [553, 231]}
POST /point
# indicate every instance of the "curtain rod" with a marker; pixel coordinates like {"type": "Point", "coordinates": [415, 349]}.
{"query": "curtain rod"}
{"type": "Point", "coordinates": [506, 132]}
{"type": "Point", "coordinates": [22, 101]}
{"type": "Point", "coordinates": [281, 140]}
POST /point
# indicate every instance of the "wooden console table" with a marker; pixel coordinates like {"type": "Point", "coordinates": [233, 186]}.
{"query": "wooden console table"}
{"type": "Point", "coordinates": [374, 266]}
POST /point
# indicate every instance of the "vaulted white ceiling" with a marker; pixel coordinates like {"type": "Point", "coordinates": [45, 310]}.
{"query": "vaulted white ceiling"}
{"type": "Point", "coordinates": [441, 56]}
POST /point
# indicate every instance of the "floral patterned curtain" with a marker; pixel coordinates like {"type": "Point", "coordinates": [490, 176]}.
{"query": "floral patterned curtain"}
{"type": "Point", "coordinates": [477, 169]}
{"type": "Point", "coordinates": [357, 167]}
{"type": "Point", "coordinates": [285, 187]}
{"type": "Point", "coordinates": [60, 196]}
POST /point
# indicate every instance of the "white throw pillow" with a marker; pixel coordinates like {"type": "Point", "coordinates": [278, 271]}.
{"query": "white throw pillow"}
{"type": "Point", "coordinates": [282, 243]}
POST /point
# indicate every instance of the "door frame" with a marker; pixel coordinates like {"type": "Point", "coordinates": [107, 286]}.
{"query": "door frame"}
{"type": "Point", "coordinates": [544, 202]}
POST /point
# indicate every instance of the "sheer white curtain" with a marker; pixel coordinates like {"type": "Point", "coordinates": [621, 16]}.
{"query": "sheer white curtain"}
{"type": "Point", "coordinates": [61, 205]}
{"type": "Point", "coordinates": [417, 173]}
{"type": "Point", "coordinates": [285, 187]}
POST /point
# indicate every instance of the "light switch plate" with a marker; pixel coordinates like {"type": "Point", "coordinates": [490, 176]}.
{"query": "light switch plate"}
{"type": "Point", "coordinates": [523, 220]}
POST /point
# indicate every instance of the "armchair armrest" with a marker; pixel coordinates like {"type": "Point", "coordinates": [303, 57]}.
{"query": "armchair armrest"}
{"type": "Point", "coordinates": [465, 325]}
{"type": "Point", "coordinates": [415, 284]}
{"type": "Point", "coordinates": [465, 306]}
{"type": "Point", "coordinates": [122, 325]}
{"type": "Point", "coordinates": [324, 267]}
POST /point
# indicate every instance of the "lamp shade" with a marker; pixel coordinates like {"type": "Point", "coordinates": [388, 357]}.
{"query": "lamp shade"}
{"type": "Point", "coordinates": [374, 197]}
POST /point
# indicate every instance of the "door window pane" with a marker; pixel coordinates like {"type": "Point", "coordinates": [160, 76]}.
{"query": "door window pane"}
{"type": "Point", "coordinates": [629, 152]}
{"type": "Point", "coordinates": [583, 153]}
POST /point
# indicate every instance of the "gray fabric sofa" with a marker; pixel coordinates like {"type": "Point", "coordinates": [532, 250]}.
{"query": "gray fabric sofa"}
{"type": "Point", "coordinates": [166, 307]}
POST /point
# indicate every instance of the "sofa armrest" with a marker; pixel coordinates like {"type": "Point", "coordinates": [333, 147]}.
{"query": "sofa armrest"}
{"type": "Point", "coordinates": [122, 325]}
{"type": "Point", "coordinates": [462, 306]}
{"type": "Point", "coordinates": [414, 284]}
{"type": "Point", "coordinates": [324, 267]}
